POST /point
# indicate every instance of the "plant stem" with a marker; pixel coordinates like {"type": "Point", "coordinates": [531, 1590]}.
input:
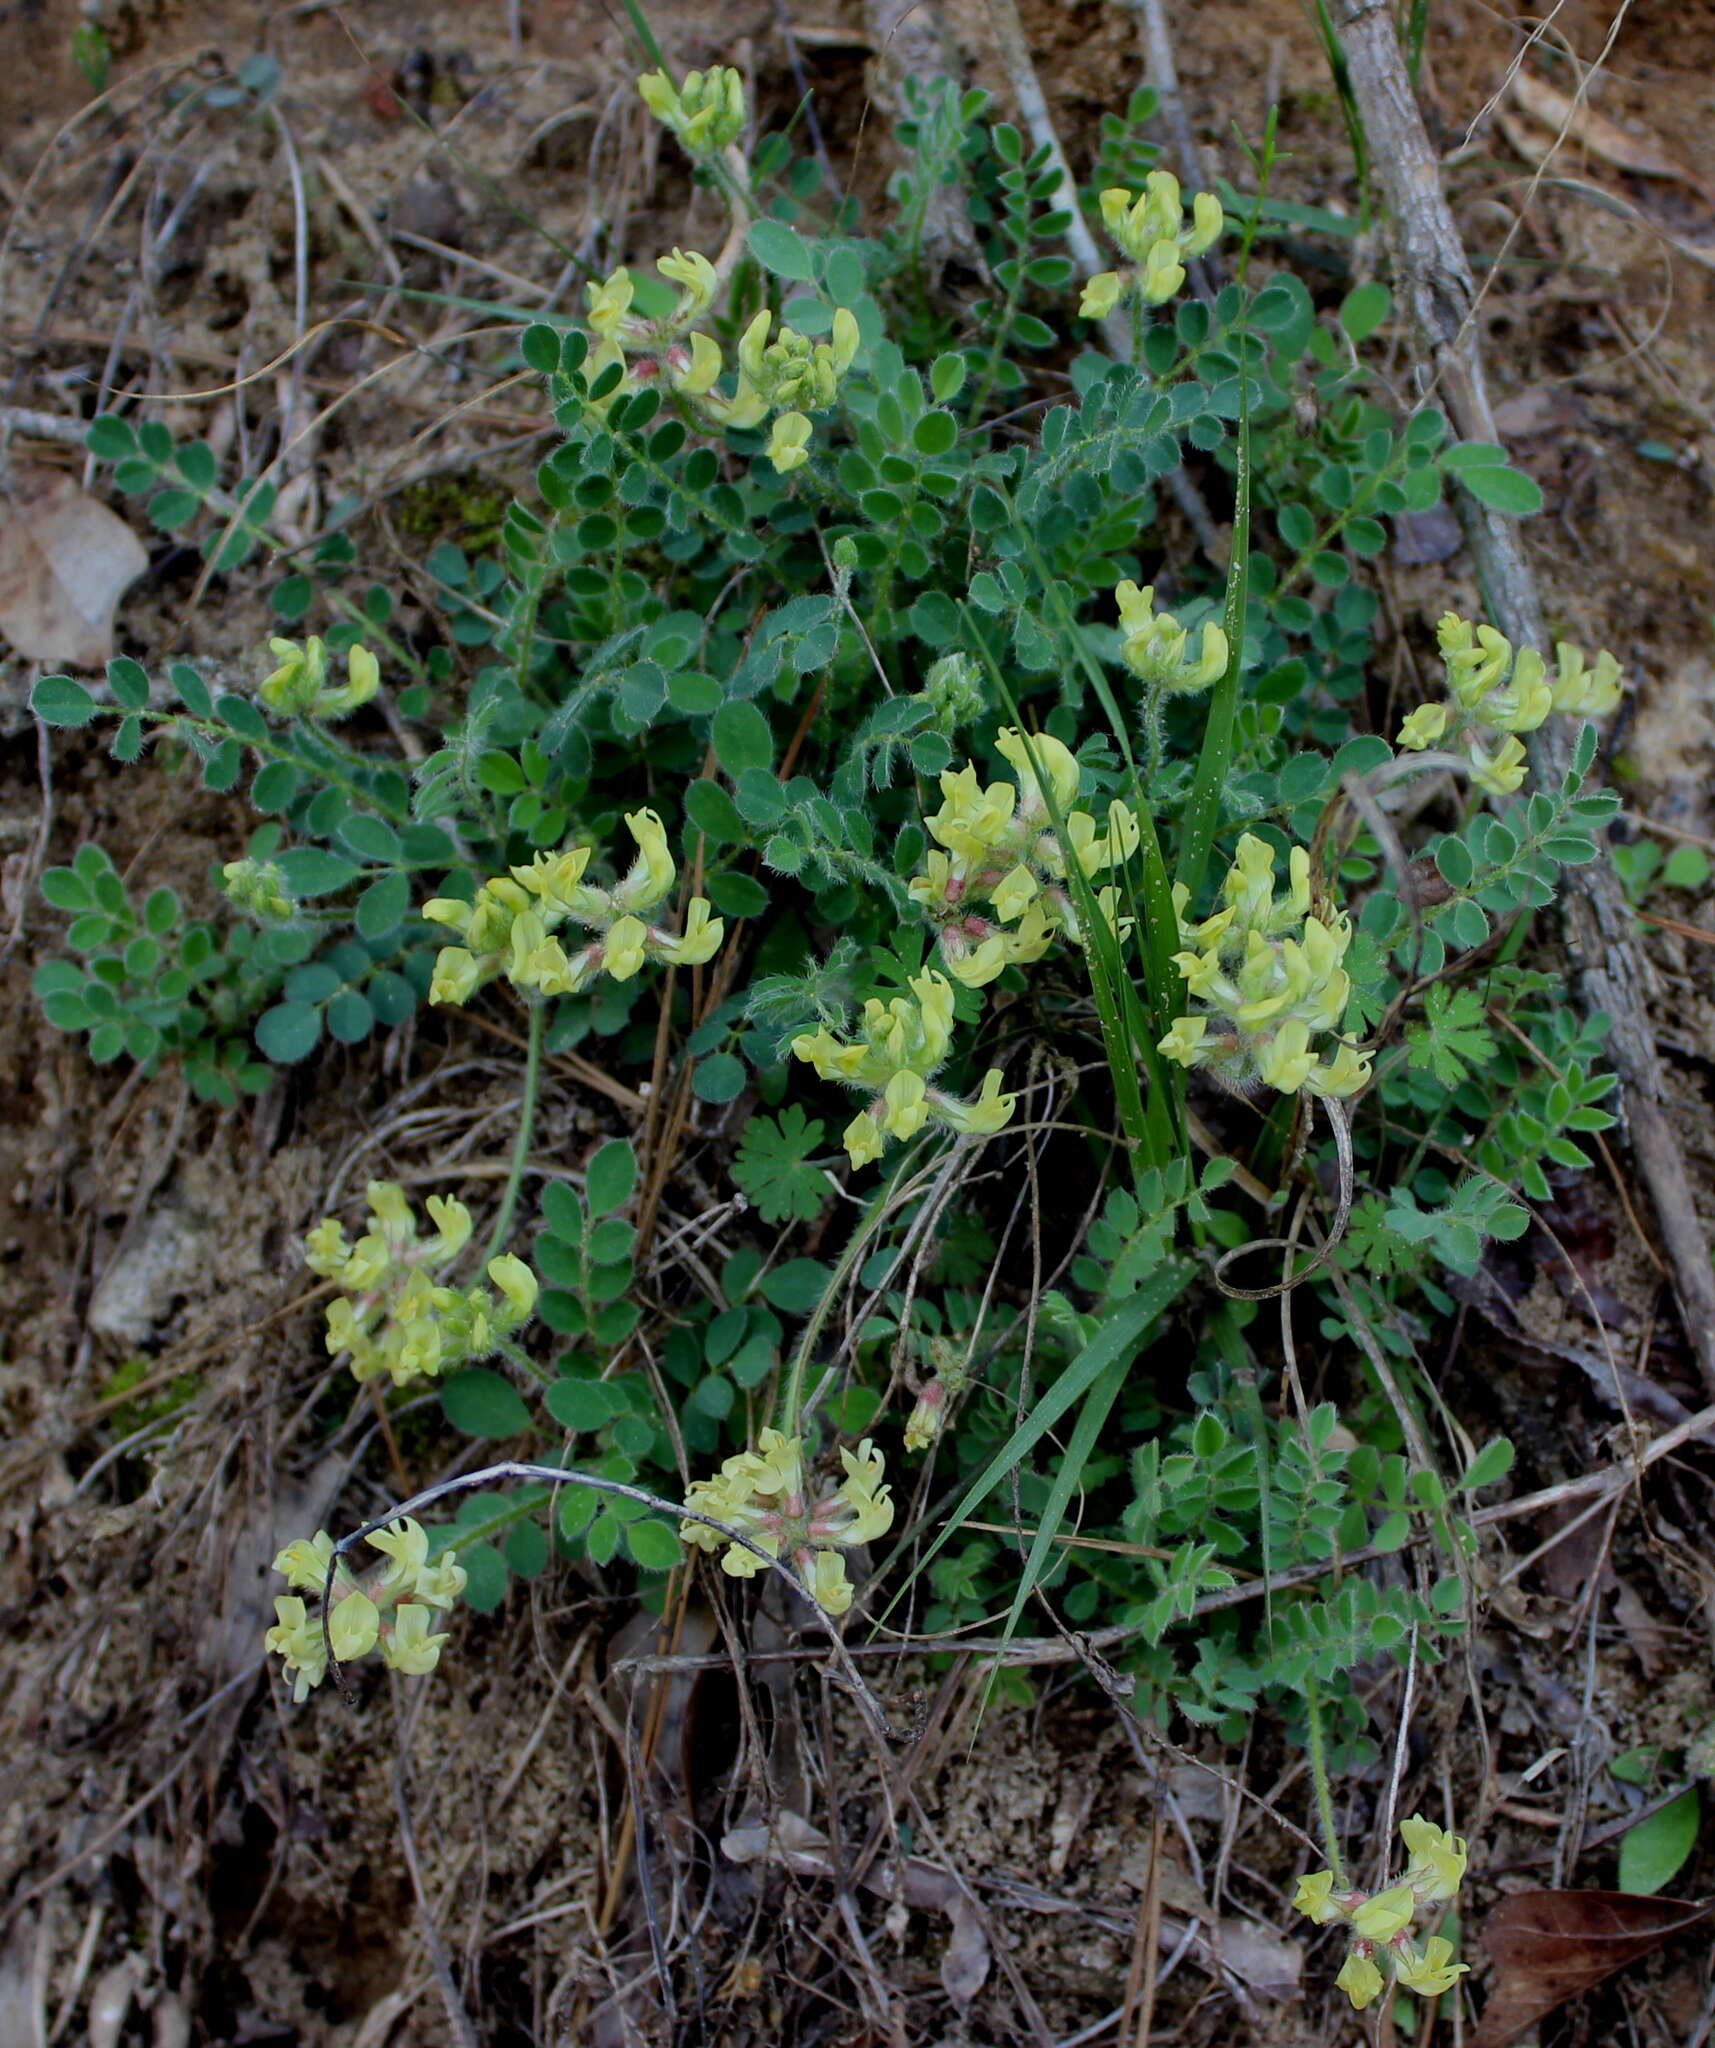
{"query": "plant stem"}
{"type": "Point", "coordinates": [526, 1125]}
{"type": "Point", "coordinates": [1319, 1778]}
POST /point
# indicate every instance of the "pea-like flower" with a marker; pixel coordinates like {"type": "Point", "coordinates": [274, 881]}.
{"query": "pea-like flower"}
{"type": "Point", "coordinates": [764, 1495]}
{"type": "Point", "coordinates": [299, 688]}
{"type": "Point", "coordinates": [1437, 1867]}
{"type": "Point", "coordinates": [1359, 1978]}
{"type": "Point", "coordinates": [1270, 973]}
{"type": "Point", "coordinates": [904, 1043]}
{"type": "Point", "coordinates": [995, 888]}
{"type": "Point", "coordinates": [1383, 1923]}
{"type": "Point", "coordinates": [1160, 652]}
{"type": "Point", "coordinates": [512, 925]}
{"type": "Point", "coordinates": [390, 1611]}
{"type": "Point", "coordinates": [789, 442]}
{"type": "Point", "coordinates": [1150, 228]}
{"type": "Point", "coordinates": [1591, 692]}
{"type": "Point", "coordinates": [1430, 1970]}
{"type": "Point", "coordinates": [396, 1314]}
{"type": "Point", "coordinates": [707, 112]}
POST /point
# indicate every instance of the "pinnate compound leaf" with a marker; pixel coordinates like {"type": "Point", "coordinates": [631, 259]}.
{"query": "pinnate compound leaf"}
{"type": "Point", "coordinates": [1551, 1946]}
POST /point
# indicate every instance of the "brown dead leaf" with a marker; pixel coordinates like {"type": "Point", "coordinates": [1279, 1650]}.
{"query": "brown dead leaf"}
{"type": "Point", "coordinates": [1639, 154]}
{"type": "Point", "coordinates": [65, 562]}
{"type": "Point", "coordinates": [1550, 1946]}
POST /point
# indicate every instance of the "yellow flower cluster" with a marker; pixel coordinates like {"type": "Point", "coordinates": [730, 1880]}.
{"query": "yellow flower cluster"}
{"type": "Point", "coordinates": [788, 376]}
{"type": "Point", "coordinates": [763, 1494]}
{"type": "Point", "coordinates": [511, 926]}
{"type": "Point", "coordinates": [904, 1042]}
{"type": "Point", "coordinates": [1382, 1923]}
{"type": "Point", "coordinates": [995, 889]}
{"type": "Point", "coordinates": [299, 686]}
{"type": "Point", "coordinates": [392, 1613]}
{"type": "Point", "coordinates": [1150, 228]}
{"type": "Point", "coordinates": [395, 1315]}
{"type": "Point", "coordinates": [1493, 691]}
{"type": "Point", "coordinates": [1270, 974]}
{"type": "Point", "coordinates": [707, 112]}
{"type": "Point", "coordinates": [780, 376]}
{"type": "Point", "coordinates": [1159, 651]}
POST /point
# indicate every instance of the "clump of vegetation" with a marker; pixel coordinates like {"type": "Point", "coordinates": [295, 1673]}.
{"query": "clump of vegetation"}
{"type": "Point", "coordinates": [942, 830]}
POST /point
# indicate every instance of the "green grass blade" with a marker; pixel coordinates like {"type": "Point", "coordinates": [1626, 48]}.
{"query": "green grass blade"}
{"type": "Point", "coordinates": [1104, 1391]}
{"type": "Point", "coordinates": [1203, 812]}
{"type": "Point", "coordinates": [1116, 1344]}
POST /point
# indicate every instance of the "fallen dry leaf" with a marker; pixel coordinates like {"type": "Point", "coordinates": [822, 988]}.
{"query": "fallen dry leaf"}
{"type": "Point", "coordinates": [1638, 154]}
{"type": "Point", "coordinates": [1550, 1946]}
{"type": "Point", "coordinates": [65, 562]}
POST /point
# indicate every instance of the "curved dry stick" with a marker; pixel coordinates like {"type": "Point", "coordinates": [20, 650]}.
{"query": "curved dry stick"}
{"type": "Point", "coordinates": [1342, 1127]}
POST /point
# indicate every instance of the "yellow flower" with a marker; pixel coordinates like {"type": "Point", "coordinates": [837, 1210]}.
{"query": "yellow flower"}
{"type": "Point", "coordinates": [863, 1490]}
{"type": "Point", "coordinates": [1431, 1972]}
{"type": "Point", "coordinates": [906, 1112]}
{"type": "Point", "coordinates": [863, 1140]}
{"type": "Point", "coordinates": [1013, 893]}
{"type": "Point", "coordinates": [1360, 1980]}
{"type": "Point", "coordinates": [700, 941]}
{"type": "Point", "coordinates": [1476, 657]}
{"type": "Point", "coordinates": [1498, 773]}
{"type": "Point", "coordinates": [1184, 1042]}
{"type": "Point", "coordinates": [1386, 1914]}
{"type": "Point", "coordinates": [1523, 702]}
{"type": "Point", "coordinates": [297, 1641]}
{"type": "Point", "coordinates": [307, 1564]}
{"type": "Point", "coordinates": [843, 342]}
{"type": "Point", "coordinates": [1207, 221]}
{"type": "Point", "coordinates": [517, 1284]}
{"type": "Point", "coordinates": [978, 967]}
{"type": "Point", "coordinates": [1343, 1075]}
{"type": "Point", "coordinates": [789, 443]}
{"type": "Point", "coordinates": [652, 873]}
{"type": "Point", "coordinates": [989, 1111]}
{"type": "Point", "coordinates": [294, 686]}
{"type": "Point", "coordinates": [1157, 649]}
{"type": "Point", "coordinates": [407, 1544]}
{"type": "Point", "coordinates": [1101, 295]}
{"type": "Point", "coordinates": [623, 953]}
{"type": "Point", "coordinates": [1163, 273]}
{"type": "Point", "coordinates": [1202, 971]}
{"type": "Point", "coordinates": [697, 376]}
{"type": "Point", "coordinates": [610, 302]}
{"type": "Point", "coordinates": [409, 1647]}
{"type": "Point", "coordinates": [458, 975]}
{"type": "Point", "coordinates": [1314, 1897]}
{"type": "Point", "coordinates": [1594, 692]}
{"type": "Point", "coordinates": [353, 1627]}
{"type": "Point", "coordinates": [1437, 1859]}
{"type": "Point", "coordinates": [1286, 1061]}
{"type": "Point", "coordinates": [553, 877]}
{"type": "Point", "coordinates": [1424, 727]}
{"type": "Point", "coordinates": [1051, 756]}
{"type": "Point", "coordinates": [363, 679]}
{"type": "Point", "coordinates": [441, 1583]}
{"type": "Point", "coordinates": [695, 276]}
{"type": "Point", "coordinates": [827, 1583]}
